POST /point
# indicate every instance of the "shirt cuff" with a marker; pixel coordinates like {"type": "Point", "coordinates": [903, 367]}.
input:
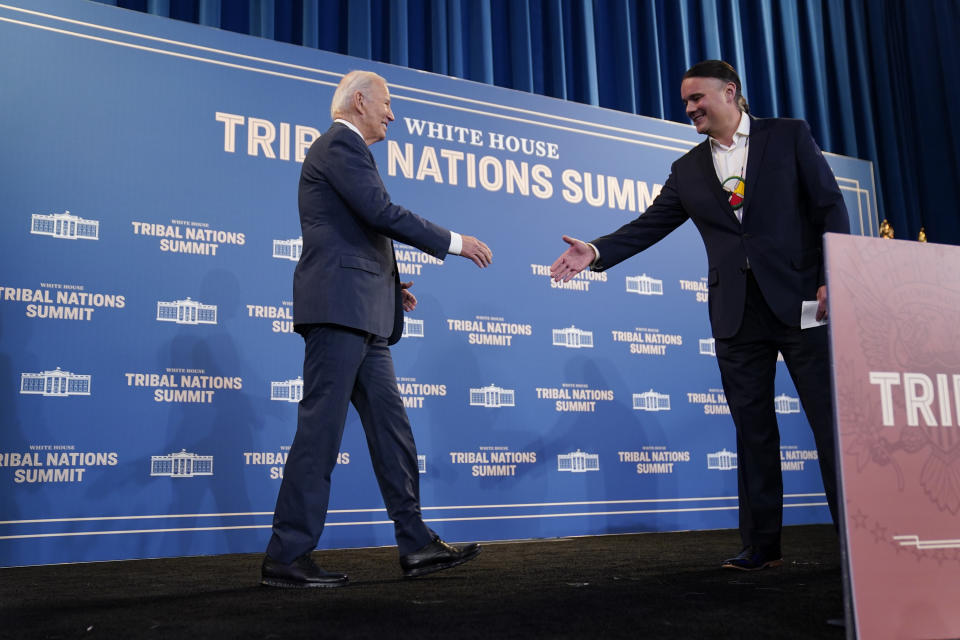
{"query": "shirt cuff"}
{"type": "Point", "coordinates": [456, 243]}
{"type": "Point", "coordinates": [596, 254]}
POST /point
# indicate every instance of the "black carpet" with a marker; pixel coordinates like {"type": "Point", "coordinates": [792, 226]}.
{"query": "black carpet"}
{"type": "Point", "coordinates": [654, 585]}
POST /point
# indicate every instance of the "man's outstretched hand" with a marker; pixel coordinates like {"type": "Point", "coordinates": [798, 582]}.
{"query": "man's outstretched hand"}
{"type": "Point", "coordinates": [574, 260]}
{"type": "Point", "coordinates": [475, 249]}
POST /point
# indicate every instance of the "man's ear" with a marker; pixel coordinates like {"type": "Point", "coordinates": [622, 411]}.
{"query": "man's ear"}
{"type": "Point", "coordinates": [358, 101]}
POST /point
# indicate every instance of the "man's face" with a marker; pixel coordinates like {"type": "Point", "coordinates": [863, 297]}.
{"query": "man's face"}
{"type": "Point", "coordinates": [710, 104]}
{"type": "Point", "coordinates": [376, 113]}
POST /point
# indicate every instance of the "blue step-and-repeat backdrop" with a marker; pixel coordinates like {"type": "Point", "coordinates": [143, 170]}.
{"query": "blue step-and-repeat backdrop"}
{"type": "Point", "coordinates": [148, 370]}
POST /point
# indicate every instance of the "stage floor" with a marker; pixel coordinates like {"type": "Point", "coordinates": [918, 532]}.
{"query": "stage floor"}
{"type": "Point", "coordinates": [653, 585]}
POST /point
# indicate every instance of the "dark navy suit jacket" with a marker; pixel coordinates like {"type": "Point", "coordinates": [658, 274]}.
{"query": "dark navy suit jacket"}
{"type": "Point", "coordinates": [347, 273]}
{"type": "Point", "coordinates": [791, 199]}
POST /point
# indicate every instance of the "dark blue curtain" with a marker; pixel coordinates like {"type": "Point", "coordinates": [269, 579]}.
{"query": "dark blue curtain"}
{"type": "Point", "coordinates": [872, 77]}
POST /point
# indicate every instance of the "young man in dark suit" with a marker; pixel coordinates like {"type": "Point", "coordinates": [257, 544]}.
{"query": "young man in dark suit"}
{"type": "Point", "coordinates": [348, 305]}
{"type": "Point", "coordinates": [761, 195]}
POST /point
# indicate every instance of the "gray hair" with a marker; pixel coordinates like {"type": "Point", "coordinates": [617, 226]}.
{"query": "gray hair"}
{"type": "Point", "coordinates": [349, 85]}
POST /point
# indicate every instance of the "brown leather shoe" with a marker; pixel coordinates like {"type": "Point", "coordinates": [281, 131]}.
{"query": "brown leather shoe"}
{"type": "Point", "coordinates": [436, 556]}
{"type": "Point", "coordinates": [302, 573]}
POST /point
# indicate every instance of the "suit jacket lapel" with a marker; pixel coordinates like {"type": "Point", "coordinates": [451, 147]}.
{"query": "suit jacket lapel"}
{"type": "Point", "coordinates": [705, 162]}
{"type": "Point", "coordinates": [758, 142]}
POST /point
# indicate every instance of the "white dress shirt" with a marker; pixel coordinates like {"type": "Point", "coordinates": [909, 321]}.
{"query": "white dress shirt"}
{"type": "Point", "coordinates": [732, 161]}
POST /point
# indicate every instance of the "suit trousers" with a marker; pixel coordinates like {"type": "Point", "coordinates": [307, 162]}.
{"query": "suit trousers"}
{"type": "Point", "coordinates": [748, 364]}
{"type": "Point", "coordinates": [341, 366]}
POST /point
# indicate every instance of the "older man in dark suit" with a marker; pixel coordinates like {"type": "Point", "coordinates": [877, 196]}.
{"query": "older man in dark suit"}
{"type": "Point", "coordinates": [348, 305]}
{"type": "Point", "coordinates": [761, 195]}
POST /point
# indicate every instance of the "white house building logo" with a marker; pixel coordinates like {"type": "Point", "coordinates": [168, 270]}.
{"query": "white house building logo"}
{"type": "Point", "coordinates": [186, 312]}
{"type": "Point", "coordinates": [287, 390]}
{"type": "Point", "coordinates": [722, 460]}
{"type": "Point", "coordinates": [412, 328]}
{"type": "Point", "coordinates": [708, 347]}
{"type": "Point", "coordinates": [181, 465]}
{"type": "Point", "coordinates": [651, 401]}
{"type": "Point", "coordinates": [421, 463]}
{"type": "Point", "coordinates": [785, 404]}
{"type": "Point", "coordinates": [573, 338]}
{"type": "Point", "coordinates": [578, 462]}
{"type": "Point", "coordinates": [288, 249]}
{"type": "Point", "coordinates": [492, 396]}
{"type": "Point", "coordinates": [65, 226]}
{"type": "Point", "coordinates": [55, 384]}
{"type": "Point", "coordinates": [644, 285]}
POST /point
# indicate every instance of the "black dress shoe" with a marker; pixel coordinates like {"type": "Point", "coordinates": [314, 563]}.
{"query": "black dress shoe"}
{"type": "Point", "coordinates": [753, 559]}
{"type": "Point", "coordinates": [436, 556]}
{"type": "Point", "coordinates": [299, 574]}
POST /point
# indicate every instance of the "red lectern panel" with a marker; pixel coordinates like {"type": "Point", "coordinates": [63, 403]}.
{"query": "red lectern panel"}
{"type": "Point", "coordinates": [895, 337]}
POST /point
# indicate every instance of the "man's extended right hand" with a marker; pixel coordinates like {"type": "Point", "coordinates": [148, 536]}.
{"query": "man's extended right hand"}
{"type": "Point", "coordinates": [574, 260]}
{"type": "Point", "coordinates": [474, 249]}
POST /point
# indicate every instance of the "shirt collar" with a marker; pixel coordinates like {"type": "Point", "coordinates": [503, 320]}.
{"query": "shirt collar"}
{"type": "Point", "coordinates": [743, 130]}
{"type": "Point", "coordinates": [350, 126]}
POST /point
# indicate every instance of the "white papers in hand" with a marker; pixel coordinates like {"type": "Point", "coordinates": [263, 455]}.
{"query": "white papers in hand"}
{"type": "Point", "coordinates": [808, 315]}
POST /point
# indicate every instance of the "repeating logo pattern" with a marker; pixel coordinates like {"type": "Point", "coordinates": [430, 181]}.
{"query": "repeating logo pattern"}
{"type": "Point", "coordinates": [288, 249]}
{"type": "Point", "coordinates": [573, 338]}
{"type": "Point", "coordinates": [181, 465]}
{"type": "Point", "coordinates": [64, 226]}
{"type": "Point", "coordinates": [651, 401]}
{"type": "Point", "coordinates": [186, 312]}
{"type": "Point", "coordinates": [287, 390]}
{"type": "Point", "coordinates": [412, 328]}
{"type": "Point", "coordinates": [492, 397]}
{"type": "Point", "coordinates": [722, 460]}
{"type": "Point", "coordinates": [578, 462]}
{"type": "Point", "coordinates": [55, 384]}
{"type": "Point", "coordinates": [644, 285]}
